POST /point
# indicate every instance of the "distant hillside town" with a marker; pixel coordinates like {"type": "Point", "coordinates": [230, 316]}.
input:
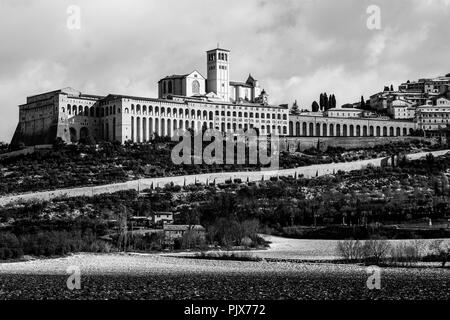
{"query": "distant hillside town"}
{"type": "Point", "coordinates": [192, 101]}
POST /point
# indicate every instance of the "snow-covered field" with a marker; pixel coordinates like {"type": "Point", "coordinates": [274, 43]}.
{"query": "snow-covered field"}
{"type": "Point", "coordinates": [161, 276]}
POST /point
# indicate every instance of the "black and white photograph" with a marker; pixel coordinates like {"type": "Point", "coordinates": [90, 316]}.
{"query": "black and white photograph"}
{"type": "Point", "coordinates": [212, 158]}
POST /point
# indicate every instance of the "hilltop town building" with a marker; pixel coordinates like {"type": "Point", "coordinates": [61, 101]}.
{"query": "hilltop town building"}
{"type": "Point", "coordinates": [184, 101]}
{"type": "Point", "coordinates": [191, 101]}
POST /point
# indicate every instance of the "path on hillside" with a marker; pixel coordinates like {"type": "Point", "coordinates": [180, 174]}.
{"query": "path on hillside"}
{"type": "Point", "coordinates": [219, 177]}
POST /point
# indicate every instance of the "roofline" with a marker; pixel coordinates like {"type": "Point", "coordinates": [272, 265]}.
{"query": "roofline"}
{"type": "Point", "coordinates": [218, 49]}
{"type": "Point", "coordinates": [200, 101]}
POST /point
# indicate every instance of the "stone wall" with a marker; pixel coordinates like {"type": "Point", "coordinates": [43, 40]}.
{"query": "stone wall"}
{"type": "Point", "coordinates": [345, 142]}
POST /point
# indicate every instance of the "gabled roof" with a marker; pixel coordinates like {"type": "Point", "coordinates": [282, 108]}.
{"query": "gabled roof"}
{"type": "Point", "coordinates": [218, 49]}
{"type": "Point", "coordinates": [197, 72]}
{"type": "Point", "coordinates": [250, 79]}
{"type": "Point", "coordinates": [240, 84]}
{"type": "Point", "coordinates": [180, 76]}
{"type": "Point", "coordinates": [174, 76]}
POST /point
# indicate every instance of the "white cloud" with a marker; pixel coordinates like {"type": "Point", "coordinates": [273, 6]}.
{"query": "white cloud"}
{"type": "Point", "coordinates": [297, 49]}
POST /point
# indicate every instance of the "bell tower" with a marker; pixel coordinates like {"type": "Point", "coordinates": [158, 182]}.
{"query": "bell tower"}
{"type": "Point", "coordinates": [218, 66]}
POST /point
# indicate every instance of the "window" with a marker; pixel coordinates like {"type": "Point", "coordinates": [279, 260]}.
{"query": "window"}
{"type": "Point", "coordinates": [195, 86]}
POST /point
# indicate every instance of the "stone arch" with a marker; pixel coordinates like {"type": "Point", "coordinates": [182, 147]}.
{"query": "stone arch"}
{"type": "Point", "coordinates": [338, 130]}
{"type": "Point", "coordinates": [391, 131]}
{"type": "Point", "coordinates": [405, 131]}
{"type": "Point", "coordinates": [331, 130]}
{"type": "Point", "coordinates": [358, 130]}
{"type": "Point", "coordinates": [398, 132]}
{"type": "Point", "coordinates": [378, 133]}
{"type": "Point", "coordinates": [150, 128]}
{"type": "Point", "coordinates": [317, 132]}
{"type": "Point", "coordinates": [344, 130]}
{"type": "Point", "coordinates": [352, 130]}
{"type": "Point", "coordinates": [291, 128]}
{"type": "Point", "coordinates": [169, 128]}
{"type": "Point", "coordinates": [73, 134]}
{"type": "Point", "coordinates": [157, 127]}
{"type": "Point", "coordinates": [84, 133]}
{"type": "Point", "coordinates": [297, 128]}
{"type": "Point", "coordinates": [107, 130]}
{"type": "Point", "coordinates": [138, 128]}
{"type": "Point", "coordinates": [324, 130]}
{"type": "Point", "coordinates": [163, 128]}
{"type": "Point", "coordinates": [365, 131]}
{"type": "Point", "coordinates": [132, 128]}
{"type": "Point", "coordinates": [114, 129]}
{"type": "Point", "coordinates": [371, 131]}
{"type": "Point", "coordinates": [385, 132]}
{"type": "Point", "coordinates": [144, 129]}
{"type": "Point", "coordinates": [304, 129]}
{"type": "Point", "coordinates": [311, 129]}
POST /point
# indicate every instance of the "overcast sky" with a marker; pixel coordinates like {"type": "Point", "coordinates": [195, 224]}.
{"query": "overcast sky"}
{"type": "Point", "coordinates": [297, 49]}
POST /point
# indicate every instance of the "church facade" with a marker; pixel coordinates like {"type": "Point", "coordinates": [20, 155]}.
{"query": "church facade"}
{"type": "Point", "coordinates": [184, 101]}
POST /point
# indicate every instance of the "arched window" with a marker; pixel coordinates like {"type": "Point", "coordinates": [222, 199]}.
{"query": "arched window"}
{"type": "Point", "coordinates": [195, 87]}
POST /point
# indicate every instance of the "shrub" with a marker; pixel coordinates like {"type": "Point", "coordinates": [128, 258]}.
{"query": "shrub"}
{"type": "Point", "coordinates": [441, 250]}
{"type": "Point", "coordinates": [350, 250]}
{"type": "Point", "coordinates": [375, 251]}
{"type": "Point", "coordinates": [236, 256]}
{"type": "Point", "coordinates": [405, 253]}
{"type": "Point", "coordinates": [10, 246]}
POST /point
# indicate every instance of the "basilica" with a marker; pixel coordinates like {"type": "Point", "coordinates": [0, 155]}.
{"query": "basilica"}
{"type": "Point", "coordinates": [184, 101]}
